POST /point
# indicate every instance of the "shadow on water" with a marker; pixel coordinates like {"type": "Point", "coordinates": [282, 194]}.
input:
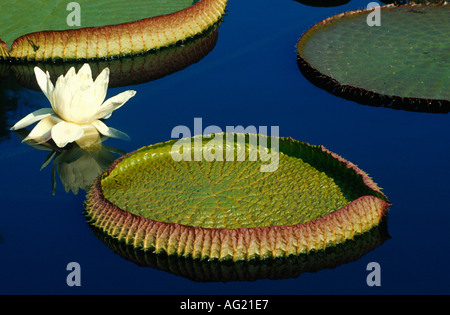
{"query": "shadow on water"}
{"type": "Point", "coordinates": [323, 3]}
{"type": "Point", "coordinates": [9, 100]}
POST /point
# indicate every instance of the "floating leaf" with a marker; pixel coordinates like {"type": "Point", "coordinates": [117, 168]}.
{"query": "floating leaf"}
{"type": "Point", "coordinates": [403, 63]}
{"type": "Point", "coordinates": [107, 28]}
{"type": "Point", "coordinates": [228, 208]}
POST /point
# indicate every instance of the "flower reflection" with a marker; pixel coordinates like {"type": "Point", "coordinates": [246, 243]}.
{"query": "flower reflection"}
{"type": "Point", "coordinates": [77, 108]}
{"type": "Point", "coordinates": [77, 166]}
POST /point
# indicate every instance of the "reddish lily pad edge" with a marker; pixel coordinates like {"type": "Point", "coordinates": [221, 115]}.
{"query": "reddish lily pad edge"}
{"type": "Point", "coordinates": [356, 218]}
{"type": "Point", "coordinates": [113, 41]}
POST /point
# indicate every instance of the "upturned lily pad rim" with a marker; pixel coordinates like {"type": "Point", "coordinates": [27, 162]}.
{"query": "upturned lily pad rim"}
{"type": "Point", "coordinates": [190, 21]}
{"type": "Point", "coordinates": [277, 268]}
{"type": "Point", "coordinates": [358, 94]}
{"type": "Point", "coordinates": [122, 225]}
{"type": "Point", "coordinates": [129, 70]}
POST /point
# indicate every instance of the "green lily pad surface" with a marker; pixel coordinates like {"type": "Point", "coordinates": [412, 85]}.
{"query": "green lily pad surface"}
{"type": "Point", "coordinates": [403, 60]}
{"type": "Point", "coordinates": [230, 199]}
{"type": "Point", "coordinates": [59, 30]}
{"type": "Point", "coordinates": [230, 194]}
{"type": "Point", "coordinates": [18, 18]}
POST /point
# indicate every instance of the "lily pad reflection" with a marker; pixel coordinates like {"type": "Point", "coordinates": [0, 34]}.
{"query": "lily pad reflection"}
{"type": "Point", "coordinates": [256, 269]}
{"type": "Point", "coordinates": [323, 3]}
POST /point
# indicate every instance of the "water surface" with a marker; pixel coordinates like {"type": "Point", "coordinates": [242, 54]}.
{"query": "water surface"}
{"type": "Point", "coordinates": [249, 78]}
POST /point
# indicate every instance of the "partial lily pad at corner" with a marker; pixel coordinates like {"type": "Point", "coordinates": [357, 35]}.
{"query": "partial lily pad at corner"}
{"type": "Point", "coordinates": [107, 28]}
{"type": "Point", "coordinates": [130, 70]}
{"type": "Point", "coordinates": [403, 63]}
{"type": "Point", "coordinates": [230, 209]}
{"type": "Point", "coordinates": [410, 1]}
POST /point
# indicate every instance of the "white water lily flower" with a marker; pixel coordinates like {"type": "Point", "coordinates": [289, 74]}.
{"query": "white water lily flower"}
{"type": "Point", "coordinates": [77, 107]}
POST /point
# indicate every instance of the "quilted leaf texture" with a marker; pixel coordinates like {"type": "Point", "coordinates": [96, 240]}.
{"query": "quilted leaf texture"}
{"type": "Point", "coordinates": [228, 209]}
{"type": "Point", "coordinates": [120, 31]}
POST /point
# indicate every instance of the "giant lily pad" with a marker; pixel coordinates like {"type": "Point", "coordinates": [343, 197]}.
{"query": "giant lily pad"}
{"type": "Point", "coordinates": [403, 63]}
{"type": "Point", "coordinates": [231, 210]}
{"type": "Point", "coordinates": [106, 28]}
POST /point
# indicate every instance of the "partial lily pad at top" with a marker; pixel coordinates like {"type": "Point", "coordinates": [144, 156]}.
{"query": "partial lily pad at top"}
{"type": "Point", "coordinates": [129, 70]}
{"type": "Point", "coordinates": [107, 28]}
{"type": "Point", "coordinates": [403, 63]}
{"type": "Point", "coordinates": [228, 209]}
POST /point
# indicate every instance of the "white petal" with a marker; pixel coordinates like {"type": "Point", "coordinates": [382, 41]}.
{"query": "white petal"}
{"type": "Point", "coordinates": [32, 118]}
{"type": "Point", "coordinates": [50, 89]}
{"type": "Point", "coordinates": [65, 132]}
{"type": "Point", "coordinates": [71, 73]}
{"type": "Point", "coordinates": [101, 86]}
{"type": "Point", "coordinates": [60, 82]}
{"type": "Point", "coordinates": [114, 103]}
{"type": "Point", "coordinates": [61, 96]}
{"type": "Point", "coordinates": [85, 72]}
{"type": "Point", "coordinates": [109, 132]}
{"type": "Point", "coordinates": [83, 106]}
{"type": "Point", "coordinates": [42, 131]}
{"type": "Point", "coordinates": [75, 101]}
{"type": "Point", "coordinates": [44, 82]}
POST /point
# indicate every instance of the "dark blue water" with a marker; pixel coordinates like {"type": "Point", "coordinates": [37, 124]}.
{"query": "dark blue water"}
{"type": "Point", "coordinates": [250, 77]}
